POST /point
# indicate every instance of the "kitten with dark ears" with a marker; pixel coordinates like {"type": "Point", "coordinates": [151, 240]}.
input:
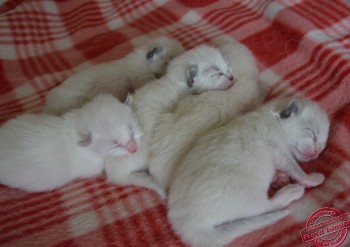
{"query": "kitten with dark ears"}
{"type": "Point", "coordinates": [195, 114]}
{"type": "Point", "coordinates": [118, 77]}
{"type": "Point", "coordinates": [197, 70]}
{"type": "Point", "coordinates": [41, 152]}
{"type": "Point", "coordinates": [219, 191]}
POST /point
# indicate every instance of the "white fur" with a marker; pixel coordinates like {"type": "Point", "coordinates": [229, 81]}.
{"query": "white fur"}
{"type": "Point", "coordinates": [220, 189]}
{"type": "Point", "coordinates": [160, 95]}
{"type": "Point", "coordinates": [40, 152]}
{"type": "Point", "coordinates": [195, 114]}
{"type": "Point", "coordinates": [118, 77]}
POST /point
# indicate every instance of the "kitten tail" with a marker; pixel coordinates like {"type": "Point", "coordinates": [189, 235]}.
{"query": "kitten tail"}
{"type": "Point", "coordinates": [227, 232]}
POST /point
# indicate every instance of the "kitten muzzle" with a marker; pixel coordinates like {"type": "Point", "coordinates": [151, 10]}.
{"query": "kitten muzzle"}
{"type": "Point", "coordinates": [131, 147]}
{"type": "Point", "coordinates": [311, 154]}
{"type": "Point", "coordinates": [228, 84]}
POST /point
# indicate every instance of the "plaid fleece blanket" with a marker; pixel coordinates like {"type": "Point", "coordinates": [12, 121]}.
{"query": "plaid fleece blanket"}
{"type": "Point", "coordinates": [302, 48]}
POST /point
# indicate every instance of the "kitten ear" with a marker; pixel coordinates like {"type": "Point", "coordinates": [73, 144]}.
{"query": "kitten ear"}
{"type": "Point", "coordinates": [154, 53]}
{"type": "Point", "coordinates": [293, 107]}
{"type": "Point", "coordinates": [85, 140]}
{"type": "Point", "coordinates": [128, 100]}
{"type": "Point", "coordinates": [192, 72]}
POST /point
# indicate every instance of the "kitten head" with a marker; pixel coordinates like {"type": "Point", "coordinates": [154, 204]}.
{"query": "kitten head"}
{"type": "Point", "coordinates": [159, 52]}
{"type": "Point", "coordinates": [202, 68]}
{"type": "Point", "coordinates": [108, 126]}
{"type": "Point", "coordinates": [240, 59]}
{"type": "Point", "coordinates": [306, 126]}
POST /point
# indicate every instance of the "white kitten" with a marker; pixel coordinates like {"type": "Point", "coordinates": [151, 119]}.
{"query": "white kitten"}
{"type": "Point", "coordinates": [196, 113]}
{"type": "Point", "coordinates": [220, 189]}
{"type": "Point", "coordinates": [40, 152]}
{"type": "Point", "coordinates": [197, 70]}
{"type": "Point", "coordinates": [118, 77]}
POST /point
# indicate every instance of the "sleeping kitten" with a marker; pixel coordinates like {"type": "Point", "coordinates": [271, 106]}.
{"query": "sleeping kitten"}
{"type": "Point", "coordinates": [175, 131]}
{"type": "Point", "coordinates": [220, 188]}
{"type": "Point", "coordinates": [197, 70]}
{"type": "Point", "coordinates": [118, 77]}
{"type": "Point", "coordinates": [40, 152]}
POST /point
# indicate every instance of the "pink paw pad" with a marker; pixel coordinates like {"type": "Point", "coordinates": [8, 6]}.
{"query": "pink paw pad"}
{"type": "Point", "coordinates": [280, 180]}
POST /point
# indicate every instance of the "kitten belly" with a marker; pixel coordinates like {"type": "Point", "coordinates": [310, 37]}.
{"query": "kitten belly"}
{"type": "Point", "coordinates": [279, 180]}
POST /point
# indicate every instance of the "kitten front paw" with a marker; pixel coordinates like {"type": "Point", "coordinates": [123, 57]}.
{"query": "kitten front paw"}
{"type": "Point", "coordinates": [161, 192]}
{"type": "Point", "coordinates": [313, 180]}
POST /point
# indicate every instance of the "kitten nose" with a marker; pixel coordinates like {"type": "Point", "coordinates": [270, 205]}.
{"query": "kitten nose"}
{"type": "Point", "coordinates": [319, 150]}
{"type": "Point", "coordinates": [231, 78]}
{"type": "Point", "coordinates": [131, 147]}
{"type": "Point", "coordinates": [313, 154]}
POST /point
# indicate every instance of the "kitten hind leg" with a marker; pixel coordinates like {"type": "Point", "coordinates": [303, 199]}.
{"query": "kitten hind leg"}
{"type": "Point", "coordinates": [141, 178]}
{"type": "Point", "coordinates": [125, 172]}
{"type": "Point", "coordinates": [286, 195]}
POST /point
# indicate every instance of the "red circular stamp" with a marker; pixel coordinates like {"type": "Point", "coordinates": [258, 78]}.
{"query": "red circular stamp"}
{"type": "Point", "coordinates": [326, 227]}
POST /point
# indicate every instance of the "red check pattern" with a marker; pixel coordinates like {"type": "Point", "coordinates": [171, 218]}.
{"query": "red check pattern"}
{"type": "Point", "coordinates": [302, 47]}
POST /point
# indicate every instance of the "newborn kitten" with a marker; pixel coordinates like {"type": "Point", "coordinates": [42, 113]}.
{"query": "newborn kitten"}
{"type": "Point", "coordinates": [118, 77]}
{"type": "Point", "coordinates": [40, 152]}
{"type": "Point", "coordinates": [175, 131]}
{"type": "Point", "coordinates": [197, 70]}
{"type": "Point", "coordinates": [220, 188]}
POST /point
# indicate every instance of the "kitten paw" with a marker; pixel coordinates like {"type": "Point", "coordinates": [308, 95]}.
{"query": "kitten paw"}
{"type": "Point", "coordinates": [287, 194]}
{"type": "Point", "coordinates": [295, 191]}
{"type": "Point", "coordinates": [160, 192]}
{"type": "Point", "coordinates": [313, 179]}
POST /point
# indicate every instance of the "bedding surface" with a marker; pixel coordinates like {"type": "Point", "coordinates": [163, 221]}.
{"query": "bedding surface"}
{"type": "Point", "coordinates": [301, 46]}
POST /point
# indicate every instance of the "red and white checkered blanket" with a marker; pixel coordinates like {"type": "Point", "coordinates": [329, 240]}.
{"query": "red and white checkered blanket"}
{"type": "Point", "coordinates": [302, 47]}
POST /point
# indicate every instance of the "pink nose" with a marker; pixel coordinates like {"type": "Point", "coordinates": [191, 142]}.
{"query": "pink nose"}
{"type": "Point", "coordinates": [131, 147]}
{"type": "Point", "coordinates": [314, 153]}
{"type": "Point", "coordinates": [318, 151]}
{"type": "Point", "coordinates": [313, 156]}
